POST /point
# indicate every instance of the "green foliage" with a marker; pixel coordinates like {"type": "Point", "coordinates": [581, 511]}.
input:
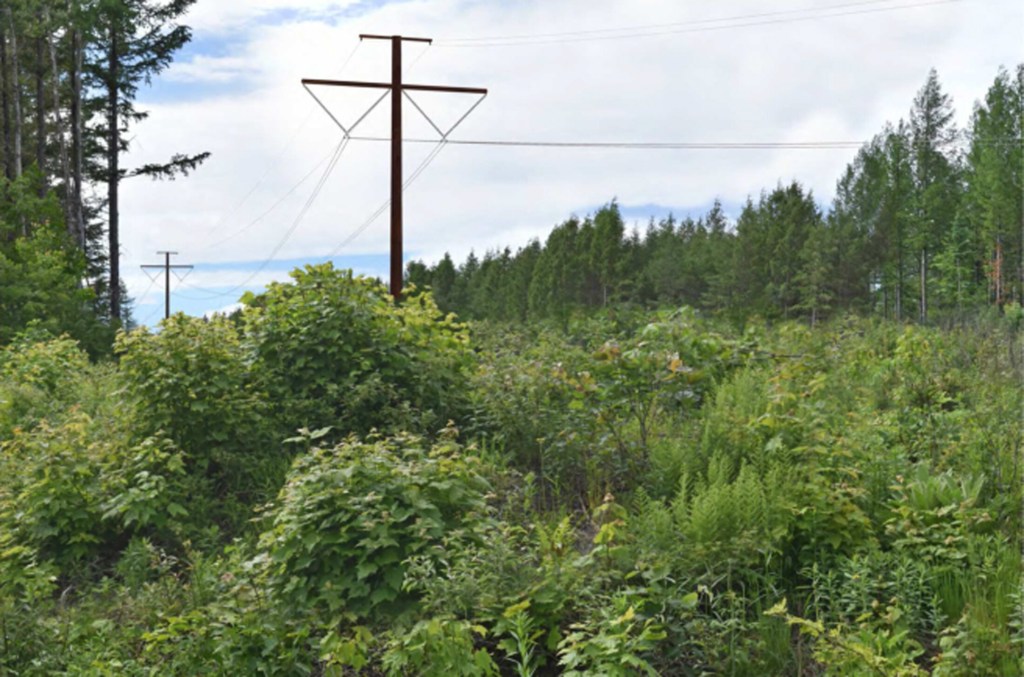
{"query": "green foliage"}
{"type": "Point", "coordinates": [632, 497]}
{"type": "Point", "coordinates": [436, 647]}
{"type": "Point", "coordinates": [332, 349]}
{"type": "Point", "coordinates": [977, 645]}
{"type": "Point", "coordinates": [917, 229]}
{"type": "Point", "coordinates": [39, 378]}
{"type": "Point", "coordinates": [26, 585]}
{"type": "Point", "coordinates": [614, 644]}
{"type": "Point", "coordinates": [350, 516]}
{"type": "Point", "coordinates": [71, 494]}
{"type": "Point", "coordinates": [41, 270]}
{"type": "Point", "coordinates": [879, 646]}
{"type": "Point", "coordinates": [935, 516]}
{"type": "Point", "coordinates": [591, 420]}
{"type": "Point", "coordinates": [192, 383]}
{"type": "Point", "coordinates": [521, 645]}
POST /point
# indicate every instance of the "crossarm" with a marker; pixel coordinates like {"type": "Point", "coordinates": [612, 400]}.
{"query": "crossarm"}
{"type": "Point", "coordinates": [387, 85]}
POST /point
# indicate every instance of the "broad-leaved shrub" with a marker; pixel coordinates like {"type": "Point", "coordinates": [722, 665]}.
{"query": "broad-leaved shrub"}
{"type": "Point", "coordinates": [191, 382]}
{"type": "Point", "coordinates": [351, 515]}
{"type": "Point", "coordinates": [333, 349]}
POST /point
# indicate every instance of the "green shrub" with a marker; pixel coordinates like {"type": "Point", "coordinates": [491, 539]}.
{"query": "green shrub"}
{"type": "Point", "coordinates": [191, 382]}
{"type": "Point", "coordinates": [934, 517]}
{"type": "Point", "coordinates": [878, 644]}
{"type": "Point", "coordinates": [613, 644]}
{"type": "Point", "coordinates": [332, 349]}
{"type": "Point", "coordinates": [437, 647]}
{"type": "Point", "coordinates": [350, 516]}
{"type": "Point", "coordinates": [39, 378]}
{"type": "Point", "coordinates": [26, 588]}
{"type": "Point", "coordinates": [585, 422]}
{"type": "Point", "coordinates": [75, 497]}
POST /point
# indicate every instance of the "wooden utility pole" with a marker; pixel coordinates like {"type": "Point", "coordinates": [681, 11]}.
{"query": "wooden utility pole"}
{"type": "Point", "coordinates": [398, 90]}
{"type": "Point", "coordinates": [166, 265]}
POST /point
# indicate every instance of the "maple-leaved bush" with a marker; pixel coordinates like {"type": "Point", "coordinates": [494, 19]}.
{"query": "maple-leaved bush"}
{"type": "Point", "coordinates": [350, 516]}
{"type": "Point", "coordinates": [333, 349]}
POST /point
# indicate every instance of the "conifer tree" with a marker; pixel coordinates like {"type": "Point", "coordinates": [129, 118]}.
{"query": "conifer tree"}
{"type": "Point", "coordinates": [130, 42]}
{"type": "Point", "coordinates": [606, 248]}
{"type": "Point", "coordinates": [935, 177]}
{"type": "Point", "coordinates": [995, 183]}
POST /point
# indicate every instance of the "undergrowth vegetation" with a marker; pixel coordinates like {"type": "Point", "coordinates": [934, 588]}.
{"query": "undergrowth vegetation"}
{"type": "Point", "coordinates": [331, 484]}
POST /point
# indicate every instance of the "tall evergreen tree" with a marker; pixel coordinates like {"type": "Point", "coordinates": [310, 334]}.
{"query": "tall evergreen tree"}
{"type": "Point", "coordinates": [443, 279]}
{"type": "Point", "coordinates": [935, 177]}
{"type": "Point", "coordinates": [131, 41]}
{"type": "Point", "coordinates": [995, 182]}
{"type": "Point", "coordinates": [895, 214]}
{"type": "Point", "coordinates": [606, 249]}
{"type": "Point", "coordinates": [554, 288]}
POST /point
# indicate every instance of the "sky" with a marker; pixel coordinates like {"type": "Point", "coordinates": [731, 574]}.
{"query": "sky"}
{"type": "Point", "coordinates": [652, 71]}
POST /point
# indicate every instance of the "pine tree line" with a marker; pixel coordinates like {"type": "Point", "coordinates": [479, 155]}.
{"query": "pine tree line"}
{"type": "Point", "coordinates": [926, 223]}
{"type": "Point", "coordinates": [70, 71]}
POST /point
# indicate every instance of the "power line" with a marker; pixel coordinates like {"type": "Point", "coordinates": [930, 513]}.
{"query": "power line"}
{"type": "Point", "coordinates": [272, 207]}
{"type": "Point", "coordinates": [156, 308]}
{"type": "Point", "coordinates": [152, 283]}
{"type": "Point", "coordinates": [671, 145]}
{"type": "Point", "coordinates": [675, 29]}
{"type": "Point", "coordinates": [638, 145]}
{"type": "Point", "coordinates": [336, 156]}
{"type": "Point", "coordinates": [614, 145]}
{"type": "Point", "coordinates": [387, 203]}
{"type": "Point", "coordinates": [259, 182]}
{"type": "Point", "coordinates": [352, 54]}
{"type": "Point", "coordinates": [270, 167]}
{"type": "Point", "coordinates": [351, 236]}
{"type": "Point", "coordinates": [412, 64]}
{"type": "Point", "coordinates": [675, 24]}
{"type": "Point", "coordinates": [606, 145]}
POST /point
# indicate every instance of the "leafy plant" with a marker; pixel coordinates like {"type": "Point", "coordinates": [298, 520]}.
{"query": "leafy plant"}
{"type": "Point", "coordinates": [612, 644]}
{"type": "Point", "coordinates": [332, 349]}
{"type": "Point", "coordinates": [191, 383]}
{"type": "Point", "coordinates": [350, 517]}
{"type": "Point", "coordinates": [438, 646]}
{"type": "Point", "coordinates": [882, 647]}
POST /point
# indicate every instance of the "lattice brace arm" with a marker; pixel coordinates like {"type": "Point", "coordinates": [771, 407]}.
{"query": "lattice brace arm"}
{"type": "Point", "coordinates": [444, 135]}
{"type": "Point", "coordinates": [347, 131]}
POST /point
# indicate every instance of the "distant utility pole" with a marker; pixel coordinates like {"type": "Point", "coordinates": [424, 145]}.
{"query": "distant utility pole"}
{"type": "Point", "coordinates": [166, 265]}
{"type": "Point", "coordinates": [397, 91]}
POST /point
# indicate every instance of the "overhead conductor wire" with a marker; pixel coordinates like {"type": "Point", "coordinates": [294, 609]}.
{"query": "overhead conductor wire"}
{"type": "Point", "coordinates": [336, 155]}
{"type": "Point", "coordinates": [331, 158]}
{"type": "Point", "coordinates": [440, 145]}
{"type": "Point", "coordinates": [696, 26]}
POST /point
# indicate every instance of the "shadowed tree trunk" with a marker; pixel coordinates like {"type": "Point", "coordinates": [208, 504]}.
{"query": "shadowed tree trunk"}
{"type": "Point", "coordinates": [113, 174]}
{"type": "Point", "coordinates": [40, 74]}
{"type": "Point", "coordinates": [5, 103]}
{"type": "Point", "coordinates": [15, 88]}
{"type": "Point", "coordinates": [75, 191]}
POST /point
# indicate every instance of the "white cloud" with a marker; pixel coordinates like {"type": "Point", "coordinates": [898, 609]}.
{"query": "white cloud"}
{"type": "Point", "coordinates": [231, 15]}
{"type": "Point", "coordinates": [225, 310]}
{"type": "Point", "coordinates": [202, 68]}
{"type": "Point", "coordinates": [828, 79]}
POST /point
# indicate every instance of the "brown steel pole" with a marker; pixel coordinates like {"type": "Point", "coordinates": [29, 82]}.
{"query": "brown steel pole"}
{"type": "Point", "coordinates": [397, 89]}
{"type": "Point", "coordinates": [396, 166]}
{"type": "Point", "coordinates": [167, 285]}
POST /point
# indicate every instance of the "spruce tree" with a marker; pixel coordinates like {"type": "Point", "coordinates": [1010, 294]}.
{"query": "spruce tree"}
{"type": "Point", "coordinates": [935, 178]}
{"type": "Point", "coordinates": [995, 183]}
{"type": "Point", "coordinates": [130, 41]}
